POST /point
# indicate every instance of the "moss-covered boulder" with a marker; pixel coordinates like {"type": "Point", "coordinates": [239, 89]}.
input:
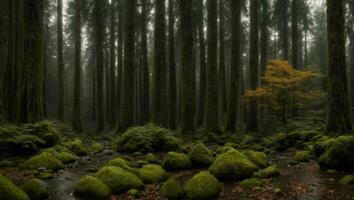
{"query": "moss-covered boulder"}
{"type": "Point", "coordinates": [134, 193]}
{"type": "Point", "coordinates": [268, 172]}
{"type": "Point", "coordinates": [202, 186]}
{"type": "Point", "coordinates": [201, 156]}
{"type": "Point", "coordinates": [347, 180]}
{"type": "Point", "coordinates": [321, 144]}
{"type": "Point", "coordinates": [9, 191]}
{"type": "Point", "coordinates": [90, 187]}
{"type": "Point", "coordinates": [176, 161]}
{"type": "Point", "coordinates": [96, 147]}
{"type": "Point", "coordinates": [46, 160]}
{"type": "Point", "coordinates": [250, 183]}
{"type": "Point", "coordinates": [171, 190]}
{"type": "Point", "coordinates": [232, 165]}
{"type": "Point", "coordinates": [151, 158]}
{"type": "Point", "coordinates": [152, 174]}
{"type": "Point", "coordinates": [118, 179]}
{"type": "Point", "coordinates": [295, 138]}
{"type": "Point", "coordinates": [45, 130]}
{"type": "Point", "coordinates": [258, 158]}
{"type": "Point", "coordinates": [35, 190]}
{"type": "Point", "coordinates": [148, 138]}
{"type": "Point", "coordinates": [122, 163]}
{"type": "Point", "coordinates": [302, 156]}
{"type": "Point", "coordinates": [66, 157]}
{"type": "Point", "coordinates": [339, 154]}
{"type": "Point", "coordinates": [77, 147]}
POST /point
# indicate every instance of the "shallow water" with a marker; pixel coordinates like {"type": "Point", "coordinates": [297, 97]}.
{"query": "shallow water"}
{"type": "Point", "coordinates": [300, 182]}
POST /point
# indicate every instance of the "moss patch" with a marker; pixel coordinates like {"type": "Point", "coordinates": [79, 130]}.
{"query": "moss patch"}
{"type": "Point", "coordinates": [66, 157]}
{"type": "Point", "coordinates": [96, 147]}
{"type": "Point", "coordinates": [232, 165]}
{"type": "Point", "coordinates": [35, 190]}
{"type": "Point", "coordinates": [347, 180]}
{"type": "Point", "coordinates": [77, 147]}
{"type": "Point", "coordinates": [268, 172]}
{"type": "Point", "coordinates": [151, 158]}
{"type": "Point", "coordinates": [202, 186]}
{"type": "Point", "coordinates": [90, 187]}
{"type": "Point", "coordinates": [250, 183]}
{"type": "Point", "coordinates": [118, 179]}
{"type": "Point", "coordinates": [152, 174]}
{"type": "Point", "coordinates": [201, 156]}
{"type": "Point", "coordinates": [258, 158]}
{"type": "Point", "coordinates": [46, 160]}
{"type": "Point", "coordinates": [171, 190]}
{"type": "Point", "coordinates": [176, 161]}
{"type": "Point", "coordinates": [122, 163]}
{"type": "Point", "coordinates": [302, 156]}
{"type": "Point", "coordinates": [9, 191]}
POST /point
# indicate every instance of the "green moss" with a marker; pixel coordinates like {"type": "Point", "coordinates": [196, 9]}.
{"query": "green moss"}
{"type": "Point", "coordinates": [232, 165]}
{"type": "Point", "coordinates": [9, 191]}
{"type": "Point", "coordinates": [258, 158]}
{"type": "Point", "coordinates": [45, 175]}
{"type": "Point", "coordinates": [90, 187]}
{"type": "Point", "coordinates": [148, 138]}
{"type": "Point", "coordinates": [66, 157]}
{"type": "Point", "coordinates": [202, 186]}
{"type": "Point", "coordinates": [250, 183]}
{"type": "Point", "coordinates": [77, 147]}
{"type": "Point", "coordinates": [201, 156]}
{"type": "Point", "coordinates": [44, 130]}
{"type": "Point", "coordinates": [339, 154]}
{"type": "Point", "coordinates": [97, 147]}
{"type": "Point", "coordinates": [118, 179]}
{"type": "Point", "coordinates": [347, 180]}
{"type": "Point", "coordinates": [320, 145]}
{"type": "Point", "coordinates": [176, 161]}
{"type": "Point", "coordinates": [268, 172]}
{"type": "Point", "coordinates": [302, 156]}
{"type": "Point", "coordinates": [152, 174]}
{"type": "Point", "coordinates": [151, 158]}
{"type": "Point", "coordinates": [134, 193]}
{"type": "Point", "coordinates": [6, 163]}
{"type": "Point", "coordinates": [171, 190]}
{"type": "Point", "coordinates": [46, 160]}
{"type": "Point", "coordinates": [35, 190]}
{"type": "Point", "coordinates": [248, 139]}
{"type": "Point", "coordinates": [122, 163]}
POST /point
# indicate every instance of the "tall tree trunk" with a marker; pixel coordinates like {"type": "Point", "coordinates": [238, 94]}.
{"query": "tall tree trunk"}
{"type": "Point", "coordinates": [99, 28]}
{"type": "Point", "coordinates": [295, 34]}
{"type": "Point", "coordinates": [254, 65]}
{"type": "Point", "coordinates": [231, 124]}
{"type": "Point", "coordinates": [113, 119]}
{"type": "Point", "coordinates": [338, 119]}
{"type": "Point", "coordinates": [76, 120]}
{"type": "Point", "coordinates": [211, 103]}
{"type": "Point", "coordinates": [127, 95]}
{"type": "Point", "coordinates": [172, 67]}
{"type": "Point", "coordinates": [187, 67]}
{"type": "Point", "coordinates": [284, 29]}
{"type": "Point", "coordinates": [60, 60]}
{"type": "Point", "coordinates": [222, 79]}
{"type": "Point", "coordinates": [264, 35]}
{"type": "Point", "coordinates": [160, 114]}
{"type": "Point", "coordinates": [202, 63]}
{"type": "Point", "coordinates": [120, 56]}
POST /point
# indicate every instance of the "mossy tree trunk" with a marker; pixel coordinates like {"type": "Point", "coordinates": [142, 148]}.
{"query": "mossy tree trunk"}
{"type": "Point", "coordinates": [202, 63]}
{"type": "Point", "coordinates": [338, 119]}
{"type": "Point", "coordinates": [76, 118]}
{"type": "Point", "coordinates": [172, 67]}
{"type": "Point", "coordinates": [254, 65]}
{"type": "Point", "coordinates": [99, 36]}
{"type": "Point", "coordinates": [160, 114]}
{"type": "Point", "coordinates": [60, 58]}
{"type": "Point", "coordinates": [127, 96]}
{"type": "Point", "coordinates": [188, 103]}
{"type": "Point", "coordinates": [211, 103]}
{"type": "Point", "coordinates": [231, 124]}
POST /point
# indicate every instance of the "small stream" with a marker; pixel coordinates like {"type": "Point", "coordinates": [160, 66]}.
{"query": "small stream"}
{"type": "Point", "coordinates": [304, 181]}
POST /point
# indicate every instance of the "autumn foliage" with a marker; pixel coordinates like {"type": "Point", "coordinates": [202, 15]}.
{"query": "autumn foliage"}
{"type": "Point", "coordinates": [283, 88]}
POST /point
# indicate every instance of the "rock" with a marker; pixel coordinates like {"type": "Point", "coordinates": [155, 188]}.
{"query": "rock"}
{"type": "Point", "coordinates": [347, 180]}
{"type": "Point", "coordinates": [77, 147]}
{"type": "Point", "coordinates": [92, 169]}
{"type": "Point", "coordinates": [268, 172]}
{"type": "Point", "coordinates": [134, 193]}
{"type": "Point", "coordinates": [258, 158]}
{"type": "Point", "coordinates": [118, 179]}
{"type": "Point", "coordinates": [338, 155]}
{"type": "Point", "coordinates": [232, 165]}
{"type": "Point", "coordinates": [45, 175]}
{"type": "Point", "coordinates": [35, 190]}
{"type": "Point", "coordinates": [250, 183]}
{"type": "Point", "coordinates": [302, 156]}
{"type": "Point", "coordinates": [201, 156]}
{"type": "Point", "coordinates": [45, 160]}
{"type": "Point", "coordinates": [151, 158]}
{"type": "Point", "coordinates": [90, 187]}
{"type": "Point", "coordinates": [96, 147]}
{"type": "Point", "coordinates": [122, 163]}
{"type": "Point", "coordinates": [175, 161]}
{"type": "Point", "coordinates": [202, 186]}
{"type": "Point", "coordinates": [171, 190]}
{"type": "Point", "coordinates": [152, 174]}
{"type": "Point", "coordinates": [9, 191]}
{"type": "Point", "coordinates": [66, 157]}
{"type": "Point", "coordinates": [321, 144]}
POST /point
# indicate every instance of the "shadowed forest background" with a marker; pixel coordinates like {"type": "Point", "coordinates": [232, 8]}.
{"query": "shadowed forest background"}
{"type": "Point", "coordinates": [176, 99]}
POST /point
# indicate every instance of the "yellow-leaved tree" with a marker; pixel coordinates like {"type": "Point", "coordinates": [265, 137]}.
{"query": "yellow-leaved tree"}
{"type": "Point", "coordinates": [283, 88]}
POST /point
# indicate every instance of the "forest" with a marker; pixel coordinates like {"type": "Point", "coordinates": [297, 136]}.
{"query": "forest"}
{"type": "Point", "coordinates": [176, 99]}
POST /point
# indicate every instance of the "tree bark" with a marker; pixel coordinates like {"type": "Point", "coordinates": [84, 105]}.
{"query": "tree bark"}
{"type": "Point", "coordinates": [295, 34]}
{"type": "Point", "coordinates": [202, 64]}
{"type": "Point", "coordinates": [60, 60]}
{"type": "Point", "coordinates": [222, 79]}
{"type": "Point", "coordinates": [172, 67]}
